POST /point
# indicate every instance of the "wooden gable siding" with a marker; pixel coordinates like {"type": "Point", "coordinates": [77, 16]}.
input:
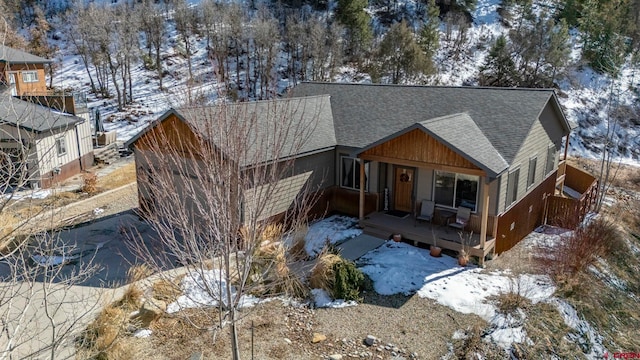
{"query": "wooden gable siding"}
{"type": "Point", "coordinates": [172, 133]}
{"type": "Point", "coordinates": [23, 88]}
{"type": "Point", "coordinates": [417, 146]}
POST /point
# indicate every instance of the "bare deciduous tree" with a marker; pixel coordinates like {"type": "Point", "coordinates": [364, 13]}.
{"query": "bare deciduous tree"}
{"type": "Point", "coordinates": [40, 310]}
{"type": "Point", "coordinates": [209, 196]}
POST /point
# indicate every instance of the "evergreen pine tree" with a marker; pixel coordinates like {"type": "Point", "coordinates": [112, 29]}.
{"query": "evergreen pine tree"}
{"type": "Point", "coordinates": [430, 32]}
{"type": "Point", "coordinates": [352, 15]}
{"type": "Point", "coordinates": [400, 56]}
{"type": "Point", "coordinates": [499, 68]}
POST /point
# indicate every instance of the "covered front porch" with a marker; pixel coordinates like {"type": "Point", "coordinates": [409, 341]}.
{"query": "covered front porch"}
{"type": "Point", "coordinates": [430, 162]}
{"type": "Point", "coordinates": [382, 225]}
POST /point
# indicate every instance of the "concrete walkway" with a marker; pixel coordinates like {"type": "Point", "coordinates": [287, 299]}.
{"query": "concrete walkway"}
{"type": "Point", "coordinates": [353, 249]}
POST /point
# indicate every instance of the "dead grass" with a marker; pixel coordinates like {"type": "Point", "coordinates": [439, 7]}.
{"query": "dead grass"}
{"type": "Point", "coordinates": [548, 333]}
{"type": "Point", "coordinates": [166, 290]}
{"type": "Point", "coordinates": [625, 176]}
{"type": "Point", "coordinates": [131, 299]}
{"type": "Point", "coordinates": [138, 272]}
{"type": "Point", "coordinates": [122, 176]}
{"type": "Point", "coordinates": [105, 329]}
{"type": "Point", "coordinates": [89, 183]}
{"type": "Point", "coordinates": [323, 274]}
{"type": "Point", "coordinates": [575, 253]}
{"type": "Point", "coordinates": [471, 345]}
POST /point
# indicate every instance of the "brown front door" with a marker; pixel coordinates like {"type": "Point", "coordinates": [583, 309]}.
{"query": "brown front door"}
{"type": "Point", "coordinates": [403, 189]}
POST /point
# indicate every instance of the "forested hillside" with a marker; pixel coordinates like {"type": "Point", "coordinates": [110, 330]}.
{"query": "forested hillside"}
{"type": "Point", "coordinates": [137, 58]}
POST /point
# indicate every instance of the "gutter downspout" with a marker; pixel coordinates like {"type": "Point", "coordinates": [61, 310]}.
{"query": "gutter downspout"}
{"type": "Point", "coordinates": [78, 146]}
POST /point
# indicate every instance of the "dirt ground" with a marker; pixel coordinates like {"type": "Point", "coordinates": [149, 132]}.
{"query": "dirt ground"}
{"type": "Point", "coordinates": [405, 327]}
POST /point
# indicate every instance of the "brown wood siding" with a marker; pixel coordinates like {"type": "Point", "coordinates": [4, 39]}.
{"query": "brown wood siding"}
{"type": "Point", "coordinates": [577, 179]}
{"type": "Point", "coordinates": [346, 201]}
{"type": "Point", "coordinates": [525, 216]}
{"type": "Point", "coordinates": [23, 88]}
{"type": "Point", "coordinates": [172, 133]}
{"type": "Point", "coordinates": [418, 146]}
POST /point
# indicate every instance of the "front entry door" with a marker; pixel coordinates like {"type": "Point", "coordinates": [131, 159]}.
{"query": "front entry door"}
{"type": "Point", "coordinates": [403, 189]}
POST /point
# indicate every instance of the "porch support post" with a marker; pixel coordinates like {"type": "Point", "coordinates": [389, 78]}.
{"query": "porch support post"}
{"type": "Point", "coordinates": [485, 217]}
{"type": "Point", "coordinates": [566, 146]}
{"type": "Point", "coordinates": [361, 200]}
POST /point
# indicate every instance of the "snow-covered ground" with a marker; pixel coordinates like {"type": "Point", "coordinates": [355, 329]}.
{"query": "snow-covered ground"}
{"type": "Point", "coordinates": [334, 230]}
{"type": "Point", "coordinates": [584, 93]}
{"type": "Point", "coordinates": [399, 268]}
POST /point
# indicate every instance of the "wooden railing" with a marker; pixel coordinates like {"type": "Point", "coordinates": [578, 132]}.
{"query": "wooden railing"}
{"type": "Point", "coordinates": [73, 102]}
{"type": "Point", "coordinates": [569, 212]}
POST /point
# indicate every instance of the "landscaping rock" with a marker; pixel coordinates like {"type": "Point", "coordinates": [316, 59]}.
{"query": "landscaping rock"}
{"type": "Point", "coordinates": [335, 357]}
{"type": "Point", "coordinates": [287, 341]}
{"type": "Point", "coordinates": [370, 340]}
{"type": "Point", "coordinates": [317, 337]}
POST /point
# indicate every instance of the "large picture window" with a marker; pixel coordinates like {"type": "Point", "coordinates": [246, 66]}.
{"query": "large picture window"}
{"type": "Point", "coordinates": [455, 190]}
{"type": "Point", "coordinates": [350, 173]}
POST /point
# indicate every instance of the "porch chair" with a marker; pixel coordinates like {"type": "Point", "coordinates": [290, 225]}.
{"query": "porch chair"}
{"type": "Point", "coordinates": [426, 211]}
{"type": "Point", "coordinates": [462, 218]}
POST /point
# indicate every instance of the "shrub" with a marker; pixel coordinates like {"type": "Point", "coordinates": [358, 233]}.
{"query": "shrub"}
{"type": "Point", "coordinates": [575, 253]}
{"type": "Point", "coordinates": [89, 183]}
{"type": "Point", "coordinates": [348, 281]}
{"type": "Point", "coordinates": [323, 274]}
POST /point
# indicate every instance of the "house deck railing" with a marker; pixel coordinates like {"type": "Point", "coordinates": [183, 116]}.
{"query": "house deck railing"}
{"type": "Point", "coordinates": [569, 211]}
{"type": "Point", "coordinates": [69, 102]}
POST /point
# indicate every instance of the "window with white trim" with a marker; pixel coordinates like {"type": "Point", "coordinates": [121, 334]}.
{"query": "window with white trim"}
{"type": "Point", "coordinates": [61, 146]}
{"type": "Point", "coordinates": [454, 190]}
{"type": "Point", "coordinates": [350, 173]}
{"type": "Point", "coordinates": [29, 76]}
{"type": "Point", "coordinates": [531, 177]}
{"type": "Point", "coordinates": [512, 187]}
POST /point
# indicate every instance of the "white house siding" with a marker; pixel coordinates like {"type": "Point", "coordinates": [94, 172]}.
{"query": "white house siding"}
{"type": "Point", "coordinates": [544, 132]}
{"type": "Point", "coordinates": [47, 153]}
{"type": "Point", "coordinates": [84, 135]}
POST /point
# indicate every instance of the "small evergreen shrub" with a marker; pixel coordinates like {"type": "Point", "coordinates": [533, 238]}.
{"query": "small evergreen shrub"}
{"type": "Point", "coordinates": [348, 281]}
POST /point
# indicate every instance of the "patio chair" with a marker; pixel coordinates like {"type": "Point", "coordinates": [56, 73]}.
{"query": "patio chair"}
{"type": "Point", "coordinates": [426, 211]}
{"type": "Point", "coordinates": [462, 218]}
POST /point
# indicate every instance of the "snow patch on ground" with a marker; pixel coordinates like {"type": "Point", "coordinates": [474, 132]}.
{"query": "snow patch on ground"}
{"type": "Point", "coordinates": [143, 333]}
{"type": "Point", "coordinates": [401, 268]}
{"type": "Point", "coordinates": [206, 288]}
{"type": "Point", "coordinates": [334, 229]}
{"type": "Point", "coordinates": [323, 300]}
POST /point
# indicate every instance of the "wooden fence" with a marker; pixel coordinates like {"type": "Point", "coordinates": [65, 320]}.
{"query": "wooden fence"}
{"type": "Point", "coordinates": [569, 212]}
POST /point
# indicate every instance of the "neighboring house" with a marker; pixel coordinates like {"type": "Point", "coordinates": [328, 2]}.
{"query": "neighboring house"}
{"type": "Point", "coordinates": [492, 150]}
{"type": "Point", "coordinates": [24, 72]}
{"type": "Point", "coordinates": [46, 135]}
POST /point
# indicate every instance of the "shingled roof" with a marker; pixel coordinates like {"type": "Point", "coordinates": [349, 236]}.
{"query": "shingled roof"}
{"type": "Point", "coordinates": [308, 126]}
{"type": "Point", "coordinates": [365, 113]}
{"type": "Point", "coordinates": [15, 56]}
{"type": "Point", "coordinates": [32, 117]}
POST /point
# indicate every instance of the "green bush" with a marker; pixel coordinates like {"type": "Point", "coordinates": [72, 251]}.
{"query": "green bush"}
{"type": "Point", "coordinates": [348, 281]}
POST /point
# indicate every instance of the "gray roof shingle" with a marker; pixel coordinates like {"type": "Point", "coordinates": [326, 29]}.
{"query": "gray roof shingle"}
{"type": "Point", "coordinates": [308, 126]}
{"type": "Point", "coordinates": [33, 117]}
{"type": "Point", "coordinates": [364, 113]}
{"type": "Point", "coordinates": [15, 56]}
